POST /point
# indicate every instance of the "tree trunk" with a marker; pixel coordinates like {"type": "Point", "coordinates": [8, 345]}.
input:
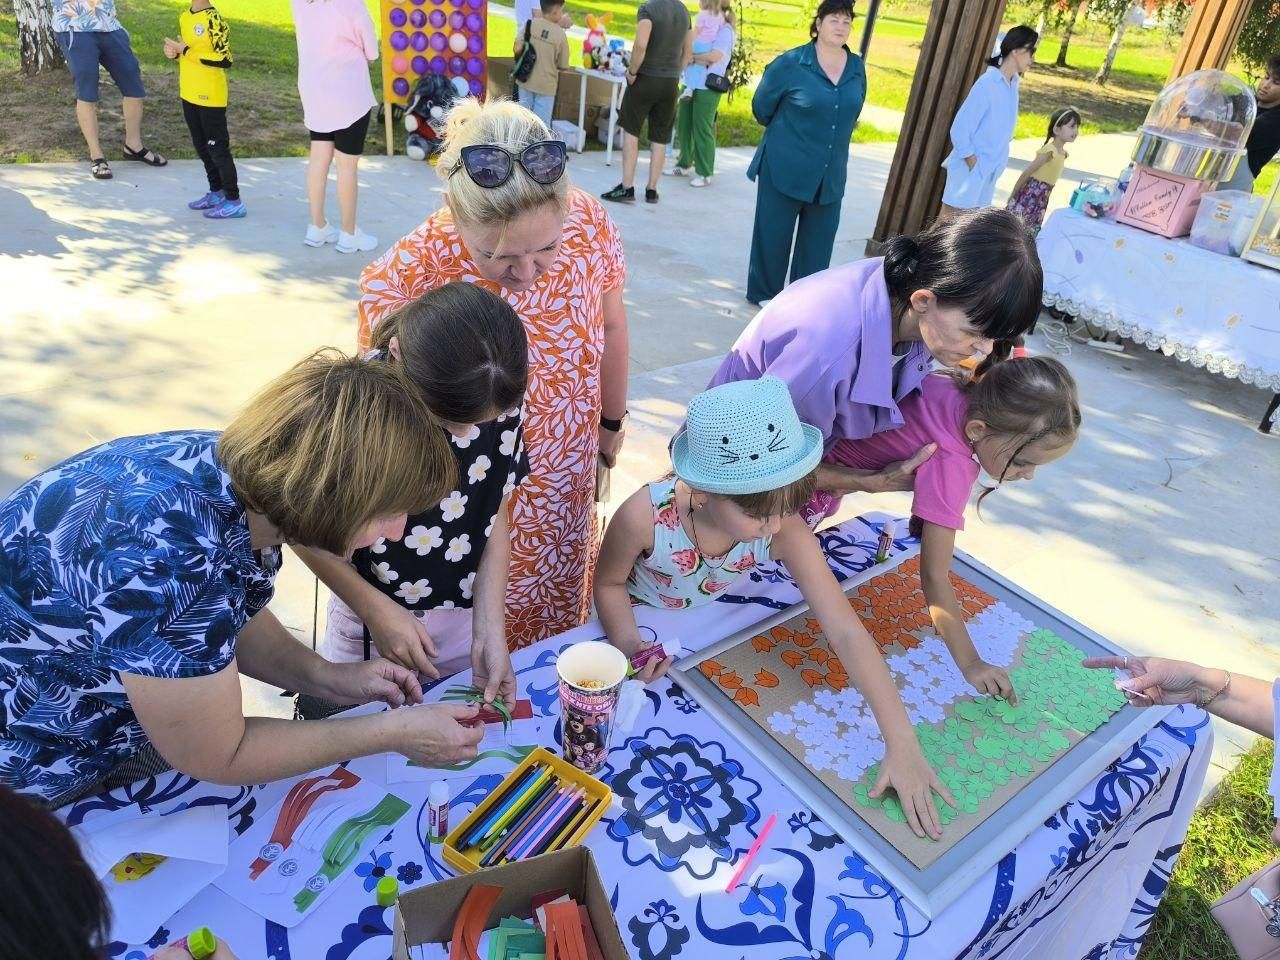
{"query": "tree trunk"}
{"type": "Point", "coordinates": [38, 46]}
{"type": "Point", "coordinates": [1068, 30]}
{"type": "Point", "coordinates": [1104, 71]}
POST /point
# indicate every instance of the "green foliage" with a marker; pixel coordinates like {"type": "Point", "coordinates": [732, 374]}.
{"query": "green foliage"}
{"type": "Point", "coordinates": [744, 64]}
{"type": "Point", "coordinates": [1261, 37]}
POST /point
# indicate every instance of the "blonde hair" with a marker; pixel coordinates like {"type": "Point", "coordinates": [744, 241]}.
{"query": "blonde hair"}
{"type": "Point", "coordinates": [499, 123]}
{"type": "Point", "coordinates": [333, 444]}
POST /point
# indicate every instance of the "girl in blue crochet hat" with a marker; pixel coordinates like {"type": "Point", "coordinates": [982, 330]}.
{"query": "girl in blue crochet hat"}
{"type": "Point", "coordinates": [744, 466]}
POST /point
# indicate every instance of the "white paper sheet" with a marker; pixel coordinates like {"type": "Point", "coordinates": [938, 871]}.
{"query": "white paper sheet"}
{"type": "Point", "coordinates": [195, 841]}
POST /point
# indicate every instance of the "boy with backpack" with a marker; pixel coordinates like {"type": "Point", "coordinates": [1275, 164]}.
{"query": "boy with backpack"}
{"type": "Point", "coordinates": [542, 51]}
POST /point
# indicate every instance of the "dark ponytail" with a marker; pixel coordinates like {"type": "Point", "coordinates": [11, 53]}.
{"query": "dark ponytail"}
{"type": "Point", "coordinates": [464, 348]}
{"type": "Point", "coordinates": [1016, 39]}
{"type": "Point", "coordinates": [980, 261]}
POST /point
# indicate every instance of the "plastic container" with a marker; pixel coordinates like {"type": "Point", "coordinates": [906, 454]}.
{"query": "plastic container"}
{"type": "Point", "coordinates": [1197, 126]}
{"type": "Point", "coordinates": [1264, 242]}
{"type": "Point", "coordinates": [437, 811]}
{"type": "Point", "coordinates": [1224, 220]}
{"type": "Point", "coordinates": [468, 861]}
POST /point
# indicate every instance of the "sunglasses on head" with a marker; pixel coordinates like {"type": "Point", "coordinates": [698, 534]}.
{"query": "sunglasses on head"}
{"type": "Point", "coordinates": [492, 166]}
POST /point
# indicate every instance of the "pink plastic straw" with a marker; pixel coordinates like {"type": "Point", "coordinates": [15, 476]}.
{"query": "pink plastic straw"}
{"type": "Point", "coordinates": [751, 854]}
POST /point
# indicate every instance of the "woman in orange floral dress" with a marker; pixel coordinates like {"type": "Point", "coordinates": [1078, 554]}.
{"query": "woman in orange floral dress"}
{"type": "Point", "coordinates": [553, 253]}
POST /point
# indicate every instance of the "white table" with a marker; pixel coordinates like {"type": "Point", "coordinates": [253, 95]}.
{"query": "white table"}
{"type": "Point", "coordinates": [617, 84]}
{"type": "Point", "coordinates": [1210, 310]}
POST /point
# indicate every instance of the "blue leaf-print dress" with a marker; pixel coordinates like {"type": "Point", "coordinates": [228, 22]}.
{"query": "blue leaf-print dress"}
{"type": "Point", "coordinates": [132, 557]}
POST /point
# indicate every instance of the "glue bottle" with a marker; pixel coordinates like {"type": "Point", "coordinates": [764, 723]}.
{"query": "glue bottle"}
{"type": "Point", "coordinates": [885, 543]}
{"type": "Point", "coordinates": [438, 811]}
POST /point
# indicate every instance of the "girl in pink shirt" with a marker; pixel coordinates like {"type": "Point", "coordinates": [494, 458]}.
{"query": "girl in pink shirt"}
{"type": "Point", "coordinates": [336, 43]}
{"type": "Point", "coordinates": [1020, 415]}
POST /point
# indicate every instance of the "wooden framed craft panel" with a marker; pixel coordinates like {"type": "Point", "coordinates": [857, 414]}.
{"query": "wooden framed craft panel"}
{"type": "Point", "coordinates": [782, 692]}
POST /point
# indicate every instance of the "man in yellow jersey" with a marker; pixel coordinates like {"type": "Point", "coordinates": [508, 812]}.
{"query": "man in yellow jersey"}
{"type": "Point", "coordinates": [204, 55]}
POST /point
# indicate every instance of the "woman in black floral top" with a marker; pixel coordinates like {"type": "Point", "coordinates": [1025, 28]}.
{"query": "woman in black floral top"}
{"type": "Point", "coordinates": [434, 601]}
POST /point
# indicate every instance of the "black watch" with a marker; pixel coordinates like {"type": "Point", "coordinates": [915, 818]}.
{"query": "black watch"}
{"type": "Point", "coordinates": [614, 426]}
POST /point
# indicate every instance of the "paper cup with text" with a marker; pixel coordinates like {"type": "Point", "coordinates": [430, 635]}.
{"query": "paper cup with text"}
{"type": "Point", "coordinates": [591, 674]}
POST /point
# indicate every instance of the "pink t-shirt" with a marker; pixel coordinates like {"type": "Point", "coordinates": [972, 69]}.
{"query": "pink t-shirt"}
{"type": "Point", "coordinates": [936, 414]}
{"type": "Point", "coordinates": [336, 43]}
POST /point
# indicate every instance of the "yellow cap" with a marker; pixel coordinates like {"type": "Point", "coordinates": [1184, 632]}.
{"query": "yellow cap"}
{"type": "Point", "coordinates": [201, 943]}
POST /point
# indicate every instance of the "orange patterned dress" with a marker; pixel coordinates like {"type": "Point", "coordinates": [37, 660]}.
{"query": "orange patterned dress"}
{"type": "Point", "coordinates": [554, 536]}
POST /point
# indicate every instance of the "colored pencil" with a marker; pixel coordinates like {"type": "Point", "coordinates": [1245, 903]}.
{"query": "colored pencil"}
{"type": "Point", "coordinates": [515, 807]}
{"type": "Point", "coordinates": [565, 818]}
{"type": "Point", "coordinates": [506, 793]}
{"type": "Point", "coordinates": [548, 787]}
{"type": "Point", "coordinates": [539, 829]}
{"type": "Point", "coordinates": [480, 827]}
{"type": "Point", "coordinates": [574, 824]}
{"type": "Point", "coordinates": [532, 829]}
{"type": "Point", "coordinates": [515, 832]}
{"type": "Point", "coordinates": [751, 854]}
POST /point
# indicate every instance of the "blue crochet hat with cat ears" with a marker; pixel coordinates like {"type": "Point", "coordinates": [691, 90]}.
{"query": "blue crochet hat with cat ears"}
{"type": "Point", "coordinates": [745, 437]}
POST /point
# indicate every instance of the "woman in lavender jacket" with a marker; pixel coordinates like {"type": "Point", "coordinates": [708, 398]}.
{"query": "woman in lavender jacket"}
{"type": "Point", "coordinates": [853, 341]}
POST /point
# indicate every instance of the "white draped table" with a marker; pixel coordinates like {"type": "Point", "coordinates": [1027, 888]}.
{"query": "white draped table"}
{"type": "Point", "coordinates": [1212, 311]}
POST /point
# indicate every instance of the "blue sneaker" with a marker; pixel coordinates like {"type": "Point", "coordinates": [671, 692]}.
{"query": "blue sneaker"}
{"type": "Point", "coordinates": [208, 201]}
{"type": "Point", "coordinates": [226, 210]}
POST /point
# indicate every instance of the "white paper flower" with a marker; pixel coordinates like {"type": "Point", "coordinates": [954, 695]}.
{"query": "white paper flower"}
{"type": "Point", "coordinates": [423, 539]}
{"type": "Point", "coordinates": [508, 445]}
{"type": "Point", "coordinates": [379, 545]}
{"type": "Point", "coordinates": [479, 470]}
{"type": "Point", "coordinates": [413, 592]}
{"type": "Point", "coordinates": [819, 758]}
{"type": "Point", "coordinates": [466, 584]}
{"type": "Point", "coordinates": [827, 700]}
{"type": "Point", "coordinates": [851, 769]}
{"type": "Point", "coordinates": [459, 547]}
{"type": "Point", "coordinates": [464, 441]}
{"type": "Point", "coordinates": [453, 506]}
{"type": "Point", "coordinates": [384, 572]}
{"type": "Point", "coordinates": [782, 723]}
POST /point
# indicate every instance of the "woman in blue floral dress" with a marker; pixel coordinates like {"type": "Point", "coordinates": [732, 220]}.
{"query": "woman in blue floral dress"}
{"type": "Point", "coordinates": [134, 580]}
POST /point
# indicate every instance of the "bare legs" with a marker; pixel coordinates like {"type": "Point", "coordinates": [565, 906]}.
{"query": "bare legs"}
{"type": "Point", "coordinates": [87, 115]}
{"type": "Point", "coordinates": [348, 189]}
{"type": "Point", "coordinates": [318, 178]}
{"type": "Point", "coordinates": [631, 159]}
{"type": "Point", "coordinates": [323, 155]}
{"type": "Point", "coordinates": [132, 123]}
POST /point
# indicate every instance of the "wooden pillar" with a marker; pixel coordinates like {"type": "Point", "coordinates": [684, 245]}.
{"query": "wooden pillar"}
{"type": "Point", "coordinates": [1212, 33]}
{"type": "Point", "coordinates": [957, 43]}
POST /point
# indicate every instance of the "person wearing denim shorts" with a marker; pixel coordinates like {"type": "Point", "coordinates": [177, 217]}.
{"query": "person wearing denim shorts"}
{"type": "Point", "coordinates": [90, 34]}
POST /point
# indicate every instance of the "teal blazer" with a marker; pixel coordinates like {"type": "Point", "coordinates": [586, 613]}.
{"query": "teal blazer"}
{"type": "Point", "coordinates": [808, 122]}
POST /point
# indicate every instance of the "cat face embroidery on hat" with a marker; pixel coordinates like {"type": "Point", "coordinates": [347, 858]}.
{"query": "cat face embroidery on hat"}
{"type": "Point", "coordinates": [745, 437]}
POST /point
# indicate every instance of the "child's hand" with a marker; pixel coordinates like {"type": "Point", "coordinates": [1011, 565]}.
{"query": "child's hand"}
{"type": "Point", "coordinates": [907, 771]}
{"type": "Point", "coordinates": [172, 48]}
{"type": "Point", "coordinates": [655, 669]}
{"type": "Point", "coordinates": [989, 679]}
{"type": "Point", "coordinates": [401, 638]}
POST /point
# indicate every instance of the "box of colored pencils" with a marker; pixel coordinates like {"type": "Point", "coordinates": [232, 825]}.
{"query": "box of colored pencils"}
{"type": "Point", "coordinates": [544, 805]}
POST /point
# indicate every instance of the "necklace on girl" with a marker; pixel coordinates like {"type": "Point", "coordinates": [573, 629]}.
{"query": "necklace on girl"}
{"type": "Point", "coordinates": [706, 557]}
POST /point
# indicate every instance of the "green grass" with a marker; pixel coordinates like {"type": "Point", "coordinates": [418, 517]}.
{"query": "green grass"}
{"type": "Point", "coordinates": [1229, 838]}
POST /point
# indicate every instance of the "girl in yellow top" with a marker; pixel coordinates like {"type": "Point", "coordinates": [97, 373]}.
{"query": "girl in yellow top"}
{"type": "Point", "coordinates": [204, 55]}
{"type": "Point", "coordinates": [1030, 195]}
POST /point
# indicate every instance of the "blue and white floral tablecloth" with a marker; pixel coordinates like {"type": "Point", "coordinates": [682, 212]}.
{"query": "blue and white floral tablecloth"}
{"type": "Point", "coordinates": [1210, 310]}
{"type": "Point", "coordinates": [689, 800]}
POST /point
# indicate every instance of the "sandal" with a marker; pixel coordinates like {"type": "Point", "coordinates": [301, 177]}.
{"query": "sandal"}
{"type": "Point", "coordinates": [147, 156]}
{"type": "Point", "coordinates": [100, 169]}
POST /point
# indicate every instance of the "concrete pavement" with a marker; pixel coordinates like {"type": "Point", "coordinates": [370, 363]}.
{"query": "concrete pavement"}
{"type": "Point", "coordinates": [124, 312]}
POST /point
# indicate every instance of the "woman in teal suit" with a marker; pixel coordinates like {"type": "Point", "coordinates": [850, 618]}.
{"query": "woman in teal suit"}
{"type": "Point", "coordinates": [808, 102]}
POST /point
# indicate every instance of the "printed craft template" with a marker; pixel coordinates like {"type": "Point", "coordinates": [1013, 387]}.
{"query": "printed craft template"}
{"type": "Point", "coordinates": [291, 859]}
{"type": "Point", "coordinates": [779, 688]}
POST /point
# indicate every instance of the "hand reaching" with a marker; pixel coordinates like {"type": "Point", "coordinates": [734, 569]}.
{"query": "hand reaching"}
{"type": "Point", "coordinates": [989, 679]}
{"type": "Point", "coordinates": [491, 670]}
{"type": "Point", "coordinates": [1154, 681]}
{"type": "Point", "coordinates": [911, 777]}
{"type": "Point", "coordinates": [402, 639]}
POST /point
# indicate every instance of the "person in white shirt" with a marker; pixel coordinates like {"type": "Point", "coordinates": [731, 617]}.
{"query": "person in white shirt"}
{"type": "Point", "coordinates": [984, 125]}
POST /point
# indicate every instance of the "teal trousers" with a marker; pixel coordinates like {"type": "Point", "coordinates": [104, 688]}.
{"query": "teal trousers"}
{"type": "Point", "coordinates": [780, 220]}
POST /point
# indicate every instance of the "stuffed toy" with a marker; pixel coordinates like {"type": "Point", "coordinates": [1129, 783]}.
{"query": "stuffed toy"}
{"type": "Point", "coordinates": [618, 59]}
{"type": "Point", "coordinates": [425, 113]}
{"type": "Point", "coordinates": [595, 49]}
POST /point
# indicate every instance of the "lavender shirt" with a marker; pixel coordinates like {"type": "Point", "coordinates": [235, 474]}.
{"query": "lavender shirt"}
{"type": "Point", "coordinates": [830, 337]}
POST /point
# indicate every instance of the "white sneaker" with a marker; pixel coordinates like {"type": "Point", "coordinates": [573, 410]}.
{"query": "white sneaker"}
{"type": "Point", "coordinates": [700, 182]}
{"type": "Point", "coordinates": [351, 242]}
{"type": "Point", "coordinates": [319, 236]}
{"type": "Point", "coordinates": [677, 172]}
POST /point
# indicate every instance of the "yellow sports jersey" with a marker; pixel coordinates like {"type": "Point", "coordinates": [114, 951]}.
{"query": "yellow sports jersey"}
{"type": "Point", "coordinates": [202, 68]}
